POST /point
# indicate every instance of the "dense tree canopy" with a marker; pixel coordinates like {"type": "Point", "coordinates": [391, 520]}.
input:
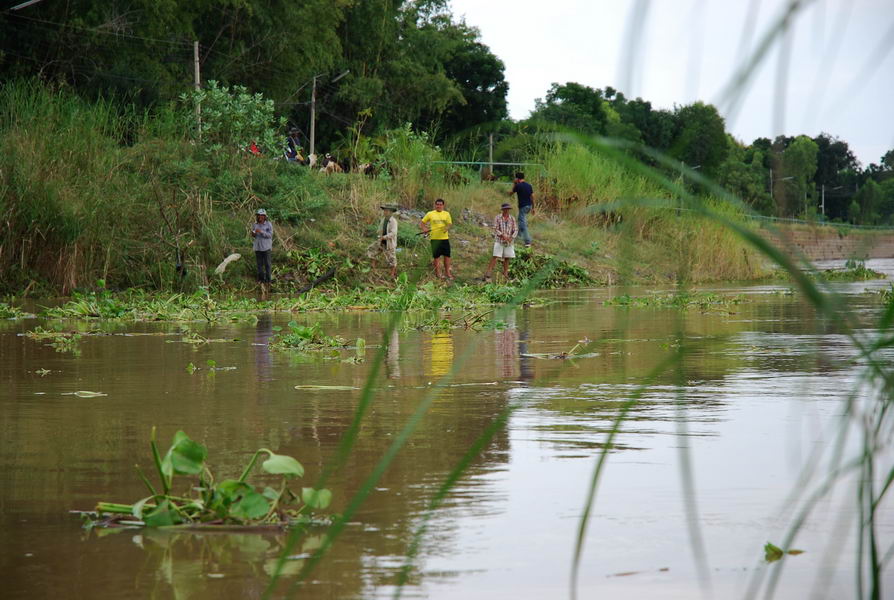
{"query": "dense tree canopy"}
{"type": "Point", "coordinates": [406, 61]}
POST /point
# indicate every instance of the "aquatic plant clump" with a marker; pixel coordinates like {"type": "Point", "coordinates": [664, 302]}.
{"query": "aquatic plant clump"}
{"type": "Point", "coordinates": [9, 311]}
{"type": "Point", "coordinates": [699, 300]}
{"type": "Point", "coordinates": [208, 502]}
{"type": "Point", "coordinates": [551, 271]}
{"type": "Point", "coordinates": [61, 341]}
{"type": "Point", "coordinates": [853, 271]}
{"type": "Point", "coordinates": [307, 338]}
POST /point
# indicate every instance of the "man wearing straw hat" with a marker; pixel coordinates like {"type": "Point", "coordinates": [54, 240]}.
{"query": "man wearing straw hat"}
{"type": "Point", "coordinates": [505, 231]}
{"type": "Point", "coordinates": [385, 245]}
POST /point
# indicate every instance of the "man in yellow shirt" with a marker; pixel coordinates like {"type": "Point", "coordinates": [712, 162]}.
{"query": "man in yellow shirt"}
{"type": "Point", "coordinates": [436, 223]}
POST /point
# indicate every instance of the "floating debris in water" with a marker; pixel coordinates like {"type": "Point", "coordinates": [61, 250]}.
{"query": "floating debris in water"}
{"type": "Point", "coordinates": [773, 553]}
{"type": "Point", "coordinates": [326, 387]}
{"type": "Point", "coordinates": [84, 394]}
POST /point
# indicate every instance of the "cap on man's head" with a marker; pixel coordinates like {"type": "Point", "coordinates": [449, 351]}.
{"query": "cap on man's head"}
{"type": "Point", "coordinates": [505, 205]}
{"type": "Point", "coordinates": [294, 130]}
{"type": "Point", "coordinates": [260, 212]}
{"type": "Point", "coordinates": [391, 207]}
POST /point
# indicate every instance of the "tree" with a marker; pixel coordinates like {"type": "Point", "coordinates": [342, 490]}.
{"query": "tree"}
{"type": "Point", "coordinates": [479, 75]}
{"type": "Point", "coordinates": [794, 190]}
{"type": "Point", "coordinates": [833, 157]}
{"type": "Point", "coordinates": [572, 105]}
{"type": "Point", "coordinates": [700, 137]}
{"type": "Point", "coordinates": [869, 197]}
{"type": "Point", "coordinates": [743, 174]}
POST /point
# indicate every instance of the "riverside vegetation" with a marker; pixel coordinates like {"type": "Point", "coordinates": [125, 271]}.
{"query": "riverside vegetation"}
{"type": "Point", "coordinates": [135, 202]}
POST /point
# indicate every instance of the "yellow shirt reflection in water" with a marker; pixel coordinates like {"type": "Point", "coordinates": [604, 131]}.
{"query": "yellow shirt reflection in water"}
{"type": "Point", "coordinates": [441, 353]}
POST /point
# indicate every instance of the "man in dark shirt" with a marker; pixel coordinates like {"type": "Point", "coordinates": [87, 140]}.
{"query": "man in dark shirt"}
{"type": "Point", "coordinates": [525, 206]}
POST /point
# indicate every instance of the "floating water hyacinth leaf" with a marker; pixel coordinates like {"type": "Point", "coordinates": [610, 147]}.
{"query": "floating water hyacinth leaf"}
{"type": "Point", "coordinates": [211, 363]}
{"type": "Point", "coordinates": [280, 464]}
{"type": "Point", "coordinates": [326, 387]}
{"type": "Point", "coordinates": [190, 368]}
{"type": "Point", "coordinates": [162, 516]}
{"type": "Point", "coordinates": [252, 506]}
{"type": "Point", "coordinates": [316, 498]}
{"type": "Point", "coordinates": [185, 457]}
{"type": "Point", "coordinates": [84, 394]}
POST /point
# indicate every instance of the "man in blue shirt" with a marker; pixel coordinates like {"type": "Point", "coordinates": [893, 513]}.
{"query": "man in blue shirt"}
{"type": "Point", "coordinates": [525, 206]}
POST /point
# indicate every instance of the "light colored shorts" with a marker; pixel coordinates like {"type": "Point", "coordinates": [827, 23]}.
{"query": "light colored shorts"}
{"type": "Point", "coordinates": [504, 250]}
{"type": "Point", "coordinates": [376, 250]}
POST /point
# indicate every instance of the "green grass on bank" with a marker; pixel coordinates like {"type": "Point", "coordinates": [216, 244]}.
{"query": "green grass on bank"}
{"type": "Point", "coordinates": [97, 191]}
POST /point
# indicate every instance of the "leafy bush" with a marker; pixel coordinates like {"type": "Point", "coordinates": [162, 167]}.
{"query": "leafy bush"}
{"type": "Point", "coordinates": [232, 117]}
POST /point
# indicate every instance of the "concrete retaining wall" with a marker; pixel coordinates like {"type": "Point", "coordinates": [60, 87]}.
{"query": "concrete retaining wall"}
{"type": "Point", "coordinates": [828, 243]}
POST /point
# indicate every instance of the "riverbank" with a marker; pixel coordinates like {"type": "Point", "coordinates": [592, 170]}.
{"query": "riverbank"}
{"type": "Point", "coordinates": [95, 191]}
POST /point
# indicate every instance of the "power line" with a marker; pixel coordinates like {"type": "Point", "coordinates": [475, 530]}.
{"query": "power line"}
{"type": "Point", "coordinates": [101, 31]}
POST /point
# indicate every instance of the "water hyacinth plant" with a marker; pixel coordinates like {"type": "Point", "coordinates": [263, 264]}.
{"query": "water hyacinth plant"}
{"type": "Point", "coordinates": [228, 502]}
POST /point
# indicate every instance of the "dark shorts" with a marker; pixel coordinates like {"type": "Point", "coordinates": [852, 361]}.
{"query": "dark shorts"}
{"type": "Point", "coordinates": [440, 248]}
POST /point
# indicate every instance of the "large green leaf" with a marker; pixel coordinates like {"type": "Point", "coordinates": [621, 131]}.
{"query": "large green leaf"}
{"type": "Point", "coordinates": [185, 457]}
{"type": "Point", "coordinates": [231, 489]}
{"type": "Point", "coordinates": [316, 498]}
{"type": "Point", "coordinates": [162, 516]}
{"type": "Point", "coordinates": [252, 506]}
{"type": "Point", "coordinates": [280, 464]}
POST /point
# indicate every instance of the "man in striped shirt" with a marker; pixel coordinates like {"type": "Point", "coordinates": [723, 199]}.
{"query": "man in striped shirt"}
{"type": "Point", "coordinates": [505, 231]}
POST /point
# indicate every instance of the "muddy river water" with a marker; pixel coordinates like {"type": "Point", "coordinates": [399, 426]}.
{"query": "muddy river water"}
{"type": "Point", "coordinates": [759, 393]}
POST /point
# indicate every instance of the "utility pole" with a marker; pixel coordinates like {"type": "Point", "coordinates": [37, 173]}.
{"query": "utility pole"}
{"type": "Point", "coordinates": [490, 153]}
{"type": "Point", "coordinates": [772, 202]}
{"type": "Point", "coordinates": [313, 119]}
{"type": "Point", "coordinates": [198, 83]}
{"type": "Point", "coordinates": [823, 202]}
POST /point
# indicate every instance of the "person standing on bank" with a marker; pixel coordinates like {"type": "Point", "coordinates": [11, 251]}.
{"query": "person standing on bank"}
{"type": "Point", "coordinates": [505, 231]}
{"type": "Point", "coordinates": [436, 223]}
{"type": "Point", "coordinates": [386, 244]}
{"type": "Point", "coordinates": [525, 205]}
{"type": "Point", "coordinates": [262, 234]}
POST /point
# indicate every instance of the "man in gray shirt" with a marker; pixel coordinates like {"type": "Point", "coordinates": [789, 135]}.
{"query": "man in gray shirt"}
{"type": "Point", "coordinates": [262, 233]}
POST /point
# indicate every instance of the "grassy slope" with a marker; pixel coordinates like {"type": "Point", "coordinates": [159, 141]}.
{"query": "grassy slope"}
{"type": "Point", "coordinates": [84, 198]}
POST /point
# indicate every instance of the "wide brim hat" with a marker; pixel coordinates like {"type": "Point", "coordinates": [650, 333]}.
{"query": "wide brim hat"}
{"type": "Point", "coordinates": [391, 207]}
{"type": "Point", "coordinates": [505, 205]}
{"type": "Point", "coordinates": [260, 212]}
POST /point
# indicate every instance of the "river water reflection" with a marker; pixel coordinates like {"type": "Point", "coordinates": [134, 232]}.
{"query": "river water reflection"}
{"type": "Point", "coordinates": [758, 393]}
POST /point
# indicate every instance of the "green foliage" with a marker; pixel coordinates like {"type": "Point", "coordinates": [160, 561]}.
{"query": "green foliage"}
{"type": "Point", "coordinates": [231, 501]}
{"type": "Point", "coordinates": [700, 139]}
{"type": "Point", "coordinates": [59, 340]}
{"type": "Point", "coordinates": [306, 338]}
{"type": "Point", "coordinates": [684, 300]}
{"type": "Point", "coordinates": [793, 191]}
{"type": "Point", "coordinates": [232, 118]}
{"type": "Point", "coordinates": [550, 271]}
{"type": "Point", "coordinates": [9, 311]}
{"type": "Point", "coordinates": [854, 270]}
